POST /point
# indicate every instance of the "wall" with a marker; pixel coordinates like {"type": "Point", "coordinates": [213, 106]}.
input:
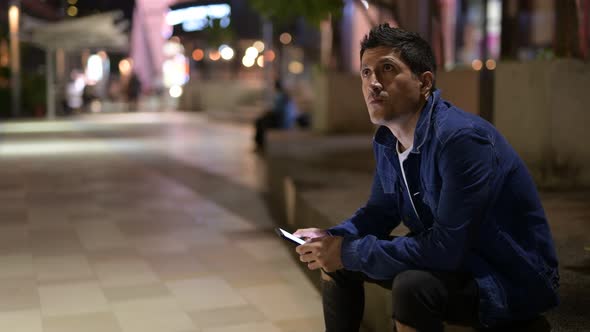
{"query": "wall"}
{"type": "Point", "coordinates": [539, 107]}
{"type": "Point", "coordinates": [339, 106]}
{"type": "Point", "coordinates": [460, 87]}
{"type": "Point", "coordinates": [221, 95]}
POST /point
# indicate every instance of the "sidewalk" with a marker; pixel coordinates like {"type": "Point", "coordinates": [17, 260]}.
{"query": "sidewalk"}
{"type": "Point", "coordinates": [146, 222]}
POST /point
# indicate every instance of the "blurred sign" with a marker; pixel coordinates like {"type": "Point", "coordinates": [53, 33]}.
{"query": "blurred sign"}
{"type": "Point", "coordinates": [197, 18]}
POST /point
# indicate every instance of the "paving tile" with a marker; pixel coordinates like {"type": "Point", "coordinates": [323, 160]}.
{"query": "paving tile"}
{"type": "Point", "coordinates": [227, 316]}
{"type": "Point", "coordinates": [205, 293]}
{"type": "Point", "coordinates": [91, 322]}
{"type": "Point", "coordinates": [72, 298]}
{"type": "Point", "coordinates": [18, 294]}
{"type": "Point", "coordinates": [21, 321]}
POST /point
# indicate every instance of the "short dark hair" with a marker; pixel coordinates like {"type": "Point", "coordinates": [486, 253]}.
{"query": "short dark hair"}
{"type": "Point", "coordinates": [413, 49]}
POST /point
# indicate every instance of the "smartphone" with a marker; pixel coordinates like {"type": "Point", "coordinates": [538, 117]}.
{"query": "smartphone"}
{"type": "Point", "coordinates": [288, 236]}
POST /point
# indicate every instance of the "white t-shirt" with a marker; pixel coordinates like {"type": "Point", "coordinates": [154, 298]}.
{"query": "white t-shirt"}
{"type": "Point", "coordinates": [402, 157]}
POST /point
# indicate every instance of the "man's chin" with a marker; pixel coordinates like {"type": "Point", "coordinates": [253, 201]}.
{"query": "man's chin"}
{"type": "Point", "coordinates": [375, 116]}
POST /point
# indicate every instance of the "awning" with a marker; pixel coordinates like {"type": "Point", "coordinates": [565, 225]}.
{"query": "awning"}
{"type": "Point", "coordinates": [105, 30]}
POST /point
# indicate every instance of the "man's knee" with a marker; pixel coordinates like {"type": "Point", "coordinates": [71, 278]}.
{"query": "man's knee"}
{"type": "Point", "coordinates": [414, 296]}
{"type": "Point", "coordinates": [408, 284]}
{"type": "Point", "coordinates": [342, 278]}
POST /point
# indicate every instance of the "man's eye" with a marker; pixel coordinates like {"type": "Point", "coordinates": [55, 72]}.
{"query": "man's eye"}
{"type": "Point", "coordinates": [387, 67]}
{"type": "Point", "coordinates": [365, 72]}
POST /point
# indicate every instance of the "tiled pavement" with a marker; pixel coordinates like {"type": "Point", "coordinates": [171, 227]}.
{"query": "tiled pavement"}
{"type": "Point", "coordinates": [148, 222]}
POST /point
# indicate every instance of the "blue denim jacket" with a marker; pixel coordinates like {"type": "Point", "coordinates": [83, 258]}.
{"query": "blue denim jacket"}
{"type": "Point", "coordinates": [477, 211]}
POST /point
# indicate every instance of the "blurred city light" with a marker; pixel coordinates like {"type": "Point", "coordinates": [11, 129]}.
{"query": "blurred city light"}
{"type": "Point", "coordinates": [72, 11]}
{"type": "Point", "coordinates": [197, 18]}
{"type": "Point", "coordinates": [476, 64]}
{"type": "Point", "coordinates": [269, 55]}
{"type": "Point", "coordinates": [95, 106]}
{"type": "Point", "coordinates": [251, 52]}
{"type": "Point", "coordinates": [172, 47]}
{"type": "Point", "coordinates": [198, 54]}
{"type": "Point", "coordinates": [248, 61]}
{"type": "Point", "coordinates": [295, 67]}
{"type": "Point", "coordinates": [13, 17]}
{"type": "Point", "coordinates": [72, 2]}
{"type": "Point", "coordinates": [15, 57]}
{"type": "Point", "coordinates": [125, 67]}
{"type": "Point", "coordinates": [227, 53]}
{"type": "Point", "coordinates": [491, 64]}
{"type": "Point", "coordinates": [224, 22]}
{"type": "Point", "coordinates": [175, 91]}
{"type": "Point", "coordinates": [214, 55]}
{"type": "Point", "coordinates": [285, 38]}
{"type": "Point", "coordinates": [259, 46]}
{"type": "Point", "coordinates": [260, 61]}
{"type": "Point", "coordinates": [94, 69]}
{"type": "Point", "coordinates": [175, 71]}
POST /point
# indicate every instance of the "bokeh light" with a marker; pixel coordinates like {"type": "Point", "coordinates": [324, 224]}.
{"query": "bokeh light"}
{"type": "Point", "coordinates": [72, 11]}
{"type": "Point", "coordinates": [259, 46]}
{"type": "Point", "coordinates": [214, 55]}
{"type": "Point", "coordinates": [248, 61]}
{"type": "Point", "coordinates": [491, 64]}
{"type": "Point", "coordinates": [285, 38]}
{"type": "Point", "coordinates": [227, 53]}
{"type": "Point", "coordinates": [476, 64]}
{"type": "Point", "coordinates": [295, 67]}
{"type": "Point", "coordinates": [198, 54]}
{"type": "Point", "coordinates": [260, 61]}
{"type": "Point", "coordinates": [175, 91]}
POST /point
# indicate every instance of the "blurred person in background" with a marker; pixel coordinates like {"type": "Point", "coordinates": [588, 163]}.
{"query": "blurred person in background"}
{"type": "Point", "coordinates": [133, 91]}
{"type": "Point", "coordinates": [273, 118]}
{"type": "Point", "coordinates": [479, 252]}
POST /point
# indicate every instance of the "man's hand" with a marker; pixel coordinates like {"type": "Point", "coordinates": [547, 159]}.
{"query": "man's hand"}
{"type": "Point", "coordinates": [322, 252]}
{"type": "Point", "coordinates": [310, 233]}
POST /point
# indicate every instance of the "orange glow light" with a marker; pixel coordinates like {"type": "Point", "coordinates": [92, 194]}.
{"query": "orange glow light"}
{"type": "Point", "coordinates": [214, 55]}
{"type": "Point", "coordinates": [269, 55]}
{"type": "Point", "coordinates": [476, 64]}
{"type": "Point", "coordinates": [491, 64]}
{"type": "Point", "coordinates": [198, 54]}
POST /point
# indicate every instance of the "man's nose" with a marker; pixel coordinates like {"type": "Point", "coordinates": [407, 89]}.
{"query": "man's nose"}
{"type": "Point", "coordinates": [376, 86]}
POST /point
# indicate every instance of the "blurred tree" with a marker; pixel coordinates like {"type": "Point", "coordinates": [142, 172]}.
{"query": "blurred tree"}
{"type": "Point", "coordinates": [313, 11]}
{"type": "Point", "coordinates": [567, 38]}
{"type": "Point", "coordinates": [216, 33]}
{"type": "Point", "coordinates": [316, 13]}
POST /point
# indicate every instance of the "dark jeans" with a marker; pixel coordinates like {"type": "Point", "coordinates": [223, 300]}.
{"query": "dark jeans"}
{"type": "Point", "coordinates": [266, 121]}
{"type": "Point", "coordinates": [421, 299]}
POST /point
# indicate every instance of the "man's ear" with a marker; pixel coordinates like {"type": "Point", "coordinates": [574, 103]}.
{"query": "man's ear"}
{"type": "Point", "coordinates": [426, 80]}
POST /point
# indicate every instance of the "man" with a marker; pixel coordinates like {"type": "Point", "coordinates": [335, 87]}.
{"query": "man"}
{"type": "Point", "coordinates": [480, 250]}
{"type": "Point", "coordinates": [273, 118]}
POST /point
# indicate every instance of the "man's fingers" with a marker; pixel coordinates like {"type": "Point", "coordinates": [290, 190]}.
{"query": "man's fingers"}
{"type": "Point", "coordinates": [313, 265]}
{"type": "Point", "coordinates": [302, 249]}
{"type": "Point", "coordinates": [308, 257]}
{"type": "Point", "coordinates": [306, 233]}
{"type": "Point", "coordinates": [310, 233]}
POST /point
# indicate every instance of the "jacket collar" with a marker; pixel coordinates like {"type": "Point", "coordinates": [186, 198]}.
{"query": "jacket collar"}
{"type": "Point", "coordinates": [384, 137]}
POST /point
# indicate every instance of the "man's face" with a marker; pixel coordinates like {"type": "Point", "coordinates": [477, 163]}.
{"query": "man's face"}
{"type": "Point", "coordinates": [390, 88]}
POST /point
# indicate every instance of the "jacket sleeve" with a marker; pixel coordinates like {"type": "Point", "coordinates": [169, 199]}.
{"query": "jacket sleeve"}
{"type": "Point", "coordinates": [378, 217]}
{"type": "Point", "coordinates": [466, 166]}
